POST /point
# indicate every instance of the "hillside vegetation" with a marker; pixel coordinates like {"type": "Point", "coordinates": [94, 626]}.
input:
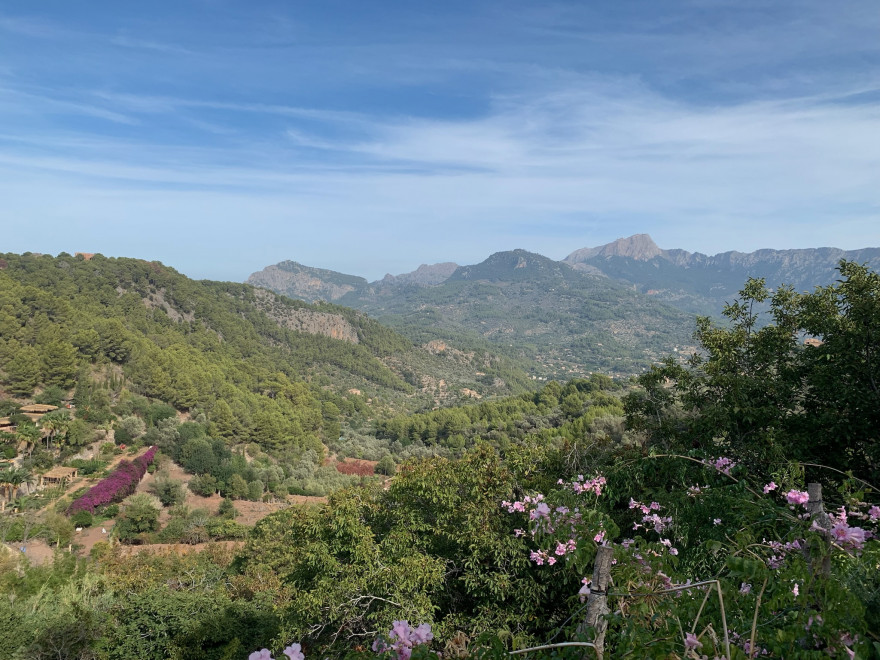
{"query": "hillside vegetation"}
{"type": "Point", "coordinates": [261, 367]}
{"type": "Point", "coordinates": [555, 320]}
{"type": "Point", "coordinates": [690, 487]}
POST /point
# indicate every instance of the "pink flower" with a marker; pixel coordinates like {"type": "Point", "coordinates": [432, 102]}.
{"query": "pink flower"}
{"type": "Point", "coordinates": [262, 654]}
{"type": "Point", "coordinates": [673, 551]}
{"type": "Point", "coordinates": [599, 537]}
{"type": "Point", "coordinates": [846, 535]}
{"type": "Point", "coordinates": [584, 591]}
{"type": "Point", "coordinates": [797, 590]}
{"type": "Point", "coordinates": [771, 486]}
{"type": "Point", "coordinates": [399, 630]}
{"type": "Point", "coordinates": [421, 634]}
{"type": "Point", "coordinates": [716, 521]}
{"type": "Point", "coordinates": [540, 511]}
{"type": "Point", "coordinates": [797, 497]}
{"type": "Point", "coordinates": [724, 465]}
{"type": "Point", "coordinates": [691, 642]}
{"type": "Point", "coordinates": [294, 652]}
{"type": "Point", "coordinates": [874, 513]}
{"type": "Point", "coordinates": [745, 588]}
{"type": "Point", "coordinates": [551, 560]}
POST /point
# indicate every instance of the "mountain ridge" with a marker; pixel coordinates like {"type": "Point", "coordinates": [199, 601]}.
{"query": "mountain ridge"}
{"type": "Point", "coordinates": [703, 284]}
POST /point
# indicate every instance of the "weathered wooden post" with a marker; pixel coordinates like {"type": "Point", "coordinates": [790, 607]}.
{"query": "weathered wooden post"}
{"type": "Point", "coordinates": [597, 600]}
{"type": "Point", "coordinates": [816, 509]}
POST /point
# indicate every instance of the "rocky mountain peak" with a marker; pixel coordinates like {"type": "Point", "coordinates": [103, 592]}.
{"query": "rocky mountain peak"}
{"type": "Point", "coordinates": [640, 247]}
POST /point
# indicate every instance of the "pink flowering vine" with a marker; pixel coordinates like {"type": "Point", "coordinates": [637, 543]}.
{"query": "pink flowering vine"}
{"type": "Point", "coordinates": [796, 497]}
{"type": "Point", "coordinates": [402, 638]}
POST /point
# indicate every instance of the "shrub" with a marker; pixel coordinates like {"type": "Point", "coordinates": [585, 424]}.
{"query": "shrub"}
{"type": "Point", "coordinates": [115, 487]}
{"type": "Point", "coordinates": [132, 425]}
{"type": "Point", "coordinates": [140, 516]}
{"type": "Point", "coordinates": [204, 485]}
{"type": "Point", "coordinates": [86, 467]}
{"type": "Point", "coordinates": [255, 490]}
{"type": "Point", "coordinates": [82, 519]}
{"type": "Point", "coordinates": [227, 509]}
{"type": "Point", "coordinates": [225, 529]}
{"type": "Point", "coordinates": [168, 491]}
{"type": "Point", "coordinates": [386, 466]}
{"type": "Point", "coordinates": [122, 436]}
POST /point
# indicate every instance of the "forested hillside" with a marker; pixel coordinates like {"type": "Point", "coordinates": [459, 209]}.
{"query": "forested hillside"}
{"type": "Point", "coordinates": [732, 500]}
{"type": "Point", "coordinates": [261, 367]}
{"type": "Point", "coordinates": [553, 319]}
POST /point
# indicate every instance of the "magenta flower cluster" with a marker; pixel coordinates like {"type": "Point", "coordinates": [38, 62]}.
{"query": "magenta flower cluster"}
{"type": "Point", "coordinates": [118, 485]}
{"type": "Point", "coordinates": [402, 638]}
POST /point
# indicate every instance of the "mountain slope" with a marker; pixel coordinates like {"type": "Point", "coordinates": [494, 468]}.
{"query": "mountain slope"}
{"type": "Point", "coordinates": [702, 284]}
{"type": "Point", "coordinates": [541, 312]}
{"type": "Point", "coordinates": [262, 367]}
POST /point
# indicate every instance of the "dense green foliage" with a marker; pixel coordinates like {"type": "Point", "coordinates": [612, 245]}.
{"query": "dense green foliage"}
{"type": "Point", "coordinates": [758, 390]}
{"type": "Point", "coordinates": [541, 313]}
{"type": "Point", "coordinates": [489, 528]}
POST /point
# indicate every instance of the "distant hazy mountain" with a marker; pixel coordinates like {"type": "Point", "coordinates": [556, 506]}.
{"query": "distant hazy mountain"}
{"type": "Point", "coordinates": [424, 275]}
{"type": "Point", "coordinates": [306, 283]}
{"type": "Point", "coordinates": [702, 284]}
{"type": "Point", "coordinates": [312, 284]}
{"type": "Point", "coordinates": [542, 312]}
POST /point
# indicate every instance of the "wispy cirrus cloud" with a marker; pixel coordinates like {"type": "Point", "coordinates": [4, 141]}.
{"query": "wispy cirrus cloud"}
{"type": "Point", "coordinates": [343, 138]}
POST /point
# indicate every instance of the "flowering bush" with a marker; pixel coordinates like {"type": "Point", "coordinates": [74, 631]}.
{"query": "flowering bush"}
{"type": "Point", "coordinates": [400, 641]}
{"type": "Point", "coordinates": [785, 582]}
{"type": "Point", "coordinates": [402, 638]}
{"type": "Point", "coordinates": [293, 652]}
{"type": "Point", "coordinates": [118, 485]}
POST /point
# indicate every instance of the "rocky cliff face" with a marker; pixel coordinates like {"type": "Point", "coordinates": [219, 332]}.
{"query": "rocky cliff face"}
{"type": "Point", "coordinates": [306, 283]}
{"type": "Point", "coordinates": [307, 320]}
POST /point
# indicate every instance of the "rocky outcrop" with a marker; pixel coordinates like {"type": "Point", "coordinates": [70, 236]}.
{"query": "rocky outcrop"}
{"type": "Point", "coordinates": [306, 320]}
{"type": "Point", "coordinates": [306, 283]}
{"type": "Point", "coordinates": [639, 246]}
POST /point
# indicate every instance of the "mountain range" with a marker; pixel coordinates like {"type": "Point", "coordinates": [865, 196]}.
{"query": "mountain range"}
{"type": "Point", "coordinates": [613, 308]}
{"type": "Point", "coordinates": [703, 284]}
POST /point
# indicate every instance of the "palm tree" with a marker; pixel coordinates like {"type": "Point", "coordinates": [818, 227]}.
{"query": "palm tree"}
{"type": "Point", "coordinates": [11, 480]}
{"type": "Point", "coordinates": [5, 485]}
{"type": "Point", "coordinates": [30, 434]}
{"type": "Point", "coordinates": [56, 423]}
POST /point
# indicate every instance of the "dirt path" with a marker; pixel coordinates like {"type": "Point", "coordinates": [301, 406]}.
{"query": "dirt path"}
{"type": "Point", "coordinates": [36, 550]}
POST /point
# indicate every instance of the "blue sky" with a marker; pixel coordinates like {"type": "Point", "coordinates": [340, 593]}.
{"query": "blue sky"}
{"type": "Point", "coordinates": [222, 136]}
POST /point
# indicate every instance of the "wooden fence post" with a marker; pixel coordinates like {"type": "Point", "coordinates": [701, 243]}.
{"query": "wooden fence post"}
{"type": "Point", "coordinates": [597, 600]}
{"type": "Point", "coordinates": [816, 509]}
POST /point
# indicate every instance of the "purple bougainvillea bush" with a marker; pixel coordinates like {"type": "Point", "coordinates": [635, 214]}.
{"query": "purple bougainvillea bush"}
{"type": "Point", "coordinates": [118, 485]}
